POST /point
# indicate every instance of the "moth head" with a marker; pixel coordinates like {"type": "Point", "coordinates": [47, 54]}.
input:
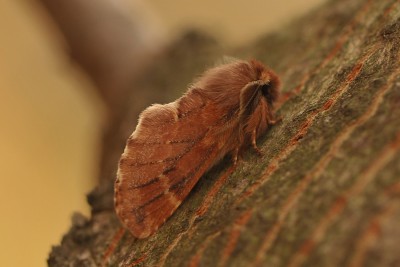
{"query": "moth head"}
{"type": "Point", "coordinates": [224, 84]}
{"type": "Point", "coordinates": [268, 81]}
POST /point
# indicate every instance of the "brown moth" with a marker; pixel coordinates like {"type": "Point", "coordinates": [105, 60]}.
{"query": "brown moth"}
{"type": "Point", "coordinates": [174, 144]}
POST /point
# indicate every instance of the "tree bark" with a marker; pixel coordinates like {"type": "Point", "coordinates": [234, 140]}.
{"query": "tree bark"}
{"type": "Point", "coordinates": [326, 191]}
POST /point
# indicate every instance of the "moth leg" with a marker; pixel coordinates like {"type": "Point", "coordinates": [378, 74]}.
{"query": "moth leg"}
{"type": "Point", "coordinates": [254, 144]}
{"type": "Point", "coordinates": [235, 156]}
{"type": "Point", "coordinates": [274, 121]}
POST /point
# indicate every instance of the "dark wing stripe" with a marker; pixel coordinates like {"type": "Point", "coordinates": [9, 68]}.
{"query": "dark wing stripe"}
{"type": "Point", "coordinates": [187, 149]}
{"type": "Point", "coordinates": [169, 169]}
{"type": "Point", "coordinates": [151, 201]}
{"type": "Point", "coordinates": [152, 181]}
{"type": "Point", "coordinates": [178, 185]}
{"type": "Point", "coordinates": [164, 143]}
{"type": "Point", "coordinates": [140, 164]}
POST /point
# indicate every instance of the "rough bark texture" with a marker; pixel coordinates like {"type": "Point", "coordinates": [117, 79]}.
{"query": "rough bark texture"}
{"type": "Point", "coordinates": [327, 190]}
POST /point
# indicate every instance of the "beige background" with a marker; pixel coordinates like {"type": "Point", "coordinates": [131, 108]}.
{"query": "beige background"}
{"type": "Point", "coordinates": [50, 119]}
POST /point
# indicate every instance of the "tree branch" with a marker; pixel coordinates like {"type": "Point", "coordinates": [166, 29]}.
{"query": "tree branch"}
{"type": "Point", "coordinates": [326, 192]}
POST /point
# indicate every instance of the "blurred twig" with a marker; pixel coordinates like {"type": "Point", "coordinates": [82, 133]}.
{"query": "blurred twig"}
{"type": "Point", "coordinates": [108, 43]}
{"type": "Point", "coordinates": [113, 46]}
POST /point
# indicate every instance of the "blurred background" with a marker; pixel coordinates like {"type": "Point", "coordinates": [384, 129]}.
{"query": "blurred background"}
{"type": "Point", "coordinates": [55, 99]}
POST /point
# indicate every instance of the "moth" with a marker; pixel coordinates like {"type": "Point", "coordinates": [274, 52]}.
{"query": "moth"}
{"type": "Point", "coordinates": [173, 145]}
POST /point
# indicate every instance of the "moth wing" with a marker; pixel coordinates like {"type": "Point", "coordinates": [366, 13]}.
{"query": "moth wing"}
{"type": "Point", "coordinates": [163, 159]}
